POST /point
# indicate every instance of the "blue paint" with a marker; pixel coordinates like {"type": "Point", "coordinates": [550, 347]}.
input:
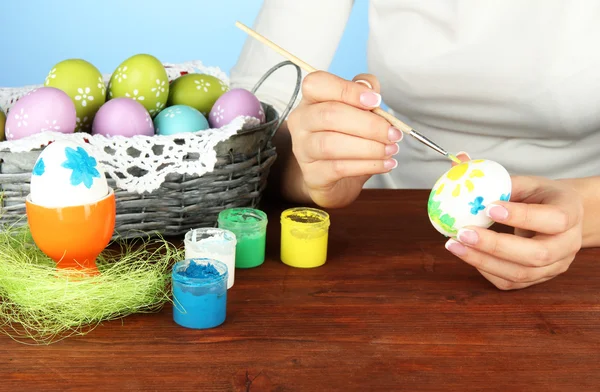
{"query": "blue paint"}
{"type": "Point", "coordinates": [39, 167]}
{"type": "Point", "coordinates": [199, 293]}
{"type": "Point", "coordinates": [505, 197]}
{"type": "Point", "coordinates": [83, 166]}
{"type": "Point", "coordinates": [477, 205]}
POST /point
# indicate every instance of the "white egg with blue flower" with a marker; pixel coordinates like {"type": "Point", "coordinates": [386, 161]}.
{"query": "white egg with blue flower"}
{"type": "Point", "coordinates": [179, 119]}
{"type": "Point", "coordinates": [460, 196]}
{"type": "Point", "coordinates": [67, 174]}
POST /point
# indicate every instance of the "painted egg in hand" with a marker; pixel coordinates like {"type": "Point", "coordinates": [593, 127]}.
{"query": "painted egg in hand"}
{"type": "Point", "coordinates": [179, 119]}
{"type": "Point", "coordinates": [459, 197]}
{"type": "Point", "coordinates": [199, 91]}
{"type": "Point", "coordinates": [43, 109]}
{"type": "Point", "coordinates": [143, 78]}
{"type": "Point", "coordinates": [83, 82]}
{"type": "Point", "coordinates": [66, 174]}
{"type": "Point", "coordinates": [2, 123]}
{"type": "Point", "coordinates": [236, 102]}
{"type": "Point", "coordinates": [123, 116]}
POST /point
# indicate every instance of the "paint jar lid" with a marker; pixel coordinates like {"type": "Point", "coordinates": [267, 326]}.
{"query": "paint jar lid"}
{"type": "Point", "coordinates": [199, 272]}
{"type": "Point", "coordinates": [242, 219]}
{"type": "Point", "coordinates": [210, 234]}
{"type": "Point", "coordinates": [305, 217]}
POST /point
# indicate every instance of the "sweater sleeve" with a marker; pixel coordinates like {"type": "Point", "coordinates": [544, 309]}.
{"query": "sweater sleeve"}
{"type": "Point", "coordinates": [309, 29]}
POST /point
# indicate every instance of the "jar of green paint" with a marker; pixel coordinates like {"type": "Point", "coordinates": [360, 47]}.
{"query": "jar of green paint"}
{"type": "Point", "coordinates": [250, 228]}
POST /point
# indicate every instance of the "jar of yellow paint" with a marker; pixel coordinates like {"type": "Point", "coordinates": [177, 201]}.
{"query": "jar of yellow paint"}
{"type": "Point", "coordinates": [304, 236]}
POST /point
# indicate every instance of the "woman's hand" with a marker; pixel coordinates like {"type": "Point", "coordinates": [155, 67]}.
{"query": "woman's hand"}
{"type": "Point", "coordinates": [547, 216]}
{"type": "Point", "coordinates": [337, 141]}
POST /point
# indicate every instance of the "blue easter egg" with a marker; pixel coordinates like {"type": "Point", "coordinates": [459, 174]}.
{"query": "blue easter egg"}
{"type": "Point", "coordinates": [178, 119]}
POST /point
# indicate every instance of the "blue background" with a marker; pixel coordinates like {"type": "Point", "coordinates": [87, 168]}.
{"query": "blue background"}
{"type": "Point", "coordinates": [40, 33]}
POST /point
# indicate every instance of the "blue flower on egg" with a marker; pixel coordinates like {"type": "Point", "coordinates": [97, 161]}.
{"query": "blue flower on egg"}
{"type": "Point", "coordinates": [505, 197]}
{"type": "Point", "coordinates": [83, 166]}
{"type": "Point", "coordinates": [39, 167]}
{"type": "Point", "coordinates": [477, 205]}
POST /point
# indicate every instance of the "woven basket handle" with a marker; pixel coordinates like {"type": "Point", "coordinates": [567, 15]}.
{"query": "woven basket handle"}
{"type": "Point", "coordinates": [292, 99]}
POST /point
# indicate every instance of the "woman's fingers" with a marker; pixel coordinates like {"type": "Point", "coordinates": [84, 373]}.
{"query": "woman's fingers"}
{"type": "Point", "coordinates": [328, 145]}
{"type": "Point", "coordinates": [321, 86]}
{"type": "Point", "coordinates": [504, 284]}
{"type": "Point", "coordinates": [504, 269]}
{"type": "Point", "coordinates": [322, 173]}
{"type": "Point", "coordinates": [336, 116]}
{"type": "Point", "coordinates": [533, 252]}
{"type": "Point", "coordinates": [541, 218]}
{"type": "Point", "coordinates": [463, 157]}
{"type": "Point", "coordinates": [368, 80]}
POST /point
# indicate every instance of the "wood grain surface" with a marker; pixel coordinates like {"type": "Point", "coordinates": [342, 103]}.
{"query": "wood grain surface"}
{"type": "Point", "coordinates": [391, 310]}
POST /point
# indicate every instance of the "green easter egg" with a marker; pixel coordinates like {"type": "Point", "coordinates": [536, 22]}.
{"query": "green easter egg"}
{"type": "Point", "coordinates": [83, 82]}
{"type": "Point", "coordinates": [142, 78]}
{"type": "Point", "coordinates": [199, 91]}
{"type": "Point", "coordinates": [2, 123]}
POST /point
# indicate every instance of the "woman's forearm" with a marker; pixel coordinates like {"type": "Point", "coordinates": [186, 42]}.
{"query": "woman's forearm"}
{"type": "Point", "coordinates": [589, 189]}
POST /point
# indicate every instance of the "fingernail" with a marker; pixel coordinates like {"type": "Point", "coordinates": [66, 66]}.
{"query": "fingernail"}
{"type": "Point", "coordinates": [468, 236]}
{"type": "Point", "coordinates": [456, 247]}
{"type": "Point", "coordinates": [392, 149]}
{"type": "Point", "coordinates": [464, 153]}
{"type": "Point", "coordinates": [395, 135]}
{"type": "Point", "coordinates": [364, 82]}
{"type": "Point", "coordinates": [497, 212]}
{"type": "Point", "coordinates": [370, 99]}
{"type": "Point", "coordinates": [390, 164]}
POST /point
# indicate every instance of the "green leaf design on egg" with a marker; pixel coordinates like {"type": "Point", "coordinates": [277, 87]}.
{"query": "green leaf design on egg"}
{"type": "Point", "coordinates": [445, 221]}
{"type": "Point", "coordinates": [199, 91]}
{"type": "Point", "coordinates": [83, 83]}
{"type": "Point", "coordinates": [2, 123]}
{"type": "Point", "coordinates": [142, 78]}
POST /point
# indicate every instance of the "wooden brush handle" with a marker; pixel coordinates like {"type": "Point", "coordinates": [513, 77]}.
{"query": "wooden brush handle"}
{"type": "Point", "coordinates": [308, 68]}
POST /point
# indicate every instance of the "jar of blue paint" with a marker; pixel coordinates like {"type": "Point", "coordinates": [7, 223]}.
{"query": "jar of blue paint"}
{"type": "Point", "coordinates": [199, 293]}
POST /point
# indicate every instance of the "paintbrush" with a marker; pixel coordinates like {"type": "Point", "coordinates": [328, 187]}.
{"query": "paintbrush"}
{"type": "Point", "coordinates": [391, 119]}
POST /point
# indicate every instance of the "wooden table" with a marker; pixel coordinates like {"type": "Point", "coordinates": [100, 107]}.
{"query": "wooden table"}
{"type": "Point", "coordinates": [391, 310]}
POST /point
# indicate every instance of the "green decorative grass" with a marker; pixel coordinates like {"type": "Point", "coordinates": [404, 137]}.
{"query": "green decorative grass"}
{"type": "Point", "coordinates": [40, 304]}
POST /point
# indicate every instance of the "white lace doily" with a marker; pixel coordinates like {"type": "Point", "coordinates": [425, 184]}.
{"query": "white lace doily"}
{"type": "Point", "coordinates": [141, 163]}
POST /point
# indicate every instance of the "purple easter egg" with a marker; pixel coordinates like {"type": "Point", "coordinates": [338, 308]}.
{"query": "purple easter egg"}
{"type": "Point", "coordinates": [123, 117]}
{"type": "Point", "coordinates": [235, 102]}
{"type": "Point", "coordinates": [43, 109]}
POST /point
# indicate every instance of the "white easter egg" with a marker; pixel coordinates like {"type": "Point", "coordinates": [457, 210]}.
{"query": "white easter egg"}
{"type": "Point", "coordinates": [66, 174]}
{"type": "Point", "coordinates": [460, 196]}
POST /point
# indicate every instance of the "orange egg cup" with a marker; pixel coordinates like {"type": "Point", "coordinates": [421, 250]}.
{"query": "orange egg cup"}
{"type": "Point", "coordinates": [73, 236]}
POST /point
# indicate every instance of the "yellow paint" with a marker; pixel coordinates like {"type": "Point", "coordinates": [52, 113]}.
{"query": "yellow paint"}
{"type": "Point", "coordinates": [456, 191]}
{"type": "Point", "coordinates": [440, 189]}
{"type": "Point", "coordinates": [304, 242]}
{"type": "Point", "coordinates": [476, 173]}
{"type": "Point", "coordinates": [457, 171]}
{"type": "Point", "coordinates": [469, 185]}
{"type": "Point", "coordinates": [454, 158]}
{"type": "Point", "coordinates": [478, 160]}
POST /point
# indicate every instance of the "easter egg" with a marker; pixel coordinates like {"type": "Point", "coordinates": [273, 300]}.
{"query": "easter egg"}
{"type": "Point", "coordinates": [235, 102]}
{"type": "Point", "coordinates": [83, 83]}
{"type": "Point", "coordinates": [123, 116]}
{"type": "Point", "coordinates": [178, 119]}
{"type": "Point", "coordinates": [66, 174]}
{"type": "Point", "coordinates": [2, 122]}
{"type": "Point", "coordinates": [43, 109]}
{"type": "Point", "coordinates": [199, 91]}
{"type": "Point", "coordinates": [460, 196]}
{"type": "Point", "coordinates": [143, 78]}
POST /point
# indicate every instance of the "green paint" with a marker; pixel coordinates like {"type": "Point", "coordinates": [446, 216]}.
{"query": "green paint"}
{"type": "Point", "coordinates": [250, 228]}
{"type": "Point", "coordinates": [442, 219]}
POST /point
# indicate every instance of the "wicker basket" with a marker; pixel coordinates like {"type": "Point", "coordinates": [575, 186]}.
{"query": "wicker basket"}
{"type": "Point", "coordinates": [182, 202]}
